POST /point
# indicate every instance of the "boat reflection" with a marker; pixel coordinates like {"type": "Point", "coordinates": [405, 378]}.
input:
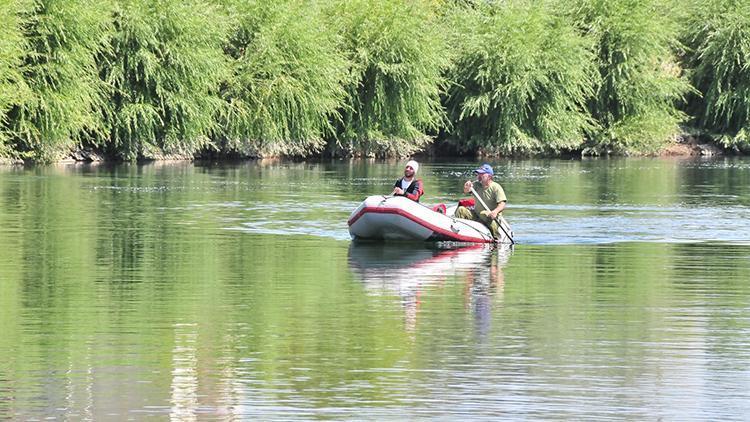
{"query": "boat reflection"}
{"type": "Point", "coordinates": [407, 271]}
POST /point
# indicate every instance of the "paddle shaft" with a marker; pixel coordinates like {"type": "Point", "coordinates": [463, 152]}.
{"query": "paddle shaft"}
{"type": "Point", "coordinates": [498, 219]}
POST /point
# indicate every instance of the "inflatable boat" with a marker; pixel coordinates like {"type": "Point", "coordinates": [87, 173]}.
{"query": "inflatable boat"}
{"type": "Point", "coordinates": [398, 218]}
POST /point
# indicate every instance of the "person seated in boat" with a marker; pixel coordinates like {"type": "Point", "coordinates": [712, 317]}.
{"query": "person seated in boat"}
{"type": "Point", "coordinates": [493, 196]}
{"type": "Point", "coordinates": [409, 186]}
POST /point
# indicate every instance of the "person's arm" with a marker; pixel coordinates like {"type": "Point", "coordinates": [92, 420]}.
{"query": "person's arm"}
{"type": "Point", "coordinates": [418, 192]}
{"type": "Point", "coordinates": [397, 188]}
{"type": "Point", "coordinates": [501, 201]}
{"type": "Point", "coordinates": [498, 209]}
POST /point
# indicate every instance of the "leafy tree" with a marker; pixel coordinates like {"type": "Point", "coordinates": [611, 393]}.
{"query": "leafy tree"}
{"type": "Point", "coordinates": [13, 88]}
{"type": "Point", "coordinates": [522, 75]}
{"type": "Point", "coordinates": [66, 96]}
{"type": "Point", "coordinates": [286, 82]}
{"type": "Point", "coordinates": [165, 65]}
{"type": "Point", "coordinates": [636, 103]}
{"type": "Point", "coordinates": [718, 35]}
{"type": "Point", "coordinates": [397, 54]}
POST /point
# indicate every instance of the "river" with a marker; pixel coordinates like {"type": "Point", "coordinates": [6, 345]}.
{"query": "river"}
{"type": "Point", "coordinates": [232, 291]}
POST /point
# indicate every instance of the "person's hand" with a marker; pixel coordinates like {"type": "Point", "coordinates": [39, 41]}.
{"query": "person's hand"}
{"type": "Point", "coordinates": [467, 186]}
{"type": "Point", "coordinates": [485, 213]}
{"type": "Point", "coordinates": [398, 191]}
{"type": "Point", "coordinates": [493, 214]}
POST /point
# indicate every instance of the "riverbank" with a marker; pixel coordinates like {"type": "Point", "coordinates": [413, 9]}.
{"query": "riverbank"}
{"type": "Point", "coordinates": [691, 146]}
{"type": "Point", "coordinates": [687, 146]}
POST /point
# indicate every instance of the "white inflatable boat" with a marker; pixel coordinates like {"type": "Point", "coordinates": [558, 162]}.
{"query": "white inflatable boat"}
{"type": "Point", "coordinates": [398, 218]}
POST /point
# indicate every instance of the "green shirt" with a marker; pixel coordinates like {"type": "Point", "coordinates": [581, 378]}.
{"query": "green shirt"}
{"type": "Point", "coordinates": [492, 195]}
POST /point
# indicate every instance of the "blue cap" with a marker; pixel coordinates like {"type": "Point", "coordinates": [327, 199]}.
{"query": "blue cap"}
{"type": "Point", "coordinates": [485, 169]}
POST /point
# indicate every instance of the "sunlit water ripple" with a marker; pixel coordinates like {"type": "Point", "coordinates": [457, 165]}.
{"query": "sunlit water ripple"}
{"type": "Point", "coordinates": [532, 224]}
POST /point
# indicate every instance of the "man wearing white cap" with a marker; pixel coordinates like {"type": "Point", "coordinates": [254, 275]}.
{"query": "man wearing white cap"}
{"type": "Point", "coordinates": [409, 186]}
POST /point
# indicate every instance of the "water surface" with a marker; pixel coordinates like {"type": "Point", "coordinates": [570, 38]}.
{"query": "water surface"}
{"type": "Point", "coordinates": [233, 292]}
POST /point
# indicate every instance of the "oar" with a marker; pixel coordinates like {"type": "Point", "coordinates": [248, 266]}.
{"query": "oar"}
{"type": "Point", "coordinates": [499, 219]}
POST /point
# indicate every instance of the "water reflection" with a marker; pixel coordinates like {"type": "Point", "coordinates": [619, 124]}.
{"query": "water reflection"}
{"type": "Point", "coordinates": [409, 270]}
{"type": "Point", "coordinates": [124, 296]}
{"type": "Point", "coordinates": [184, 398]}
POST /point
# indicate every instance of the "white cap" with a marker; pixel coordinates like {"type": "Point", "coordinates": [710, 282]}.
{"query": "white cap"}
{"type": "Point", "coordinates": [413, 164]}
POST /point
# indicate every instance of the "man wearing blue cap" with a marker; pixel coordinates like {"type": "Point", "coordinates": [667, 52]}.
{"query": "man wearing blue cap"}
{"type": "Point", "coordinates": [493, 196]}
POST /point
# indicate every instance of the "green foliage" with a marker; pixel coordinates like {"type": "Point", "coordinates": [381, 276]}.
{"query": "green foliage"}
{"type": "Point", "coordinates": [165, 65]}
{"type": "Point", "coordinates": [719, 39]}
{"type": "Point", "coordinates": [522, 76]}
{"type": "Point", "coordinates": [286, 85]}
{"type": "Point", "coordinates": [13, 89]}
{"type": "Point", "coordinates": [635, 104]}
{"type": "Point", "coordinates": [397, 51]}
{"type": "Point", "coordinates": [140, 78]}
{"type": "Point", "coordinates": [62, 39]}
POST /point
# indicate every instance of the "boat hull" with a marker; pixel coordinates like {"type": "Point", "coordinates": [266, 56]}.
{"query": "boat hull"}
{"type": "Point", "coordinates": [401, 219]}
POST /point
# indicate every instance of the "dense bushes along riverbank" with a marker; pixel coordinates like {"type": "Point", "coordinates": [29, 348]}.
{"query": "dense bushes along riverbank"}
{"type": "Point", "coordinates": [137, 78]}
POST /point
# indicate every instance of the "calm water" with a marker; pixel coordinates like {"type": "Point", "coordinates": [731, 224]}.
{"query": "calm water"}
{"type": "Point", "coordinates": [233, 292]}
